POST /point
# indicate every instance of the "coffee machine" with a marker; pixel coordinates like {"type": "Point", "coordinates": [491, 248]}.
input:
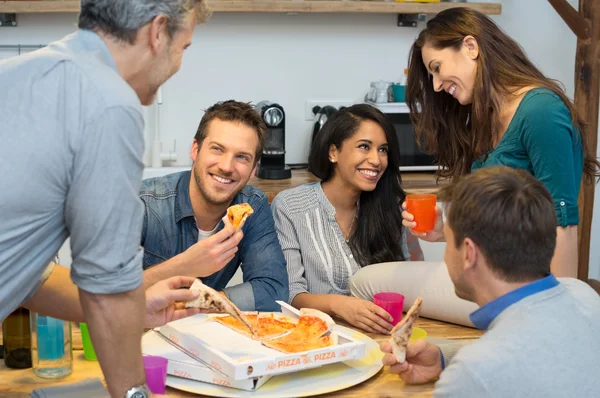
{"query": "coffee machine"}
{"type": "Point", "coordinates": [272, 162]}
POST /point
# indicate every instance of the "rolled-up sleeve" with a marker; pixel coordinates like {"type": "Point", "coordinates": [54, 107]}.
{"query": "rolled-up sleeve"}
{"type": "Point", "coordinates": [263, 265]}
{"type": "Point", "coordinates": [290, 244]}
{"type": "Point", "coordinates": [103, 211]}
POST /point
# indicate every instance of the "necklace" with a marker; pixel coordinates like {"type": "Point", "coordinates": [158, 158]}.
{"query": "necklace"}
{"type": "Point", "coordinates": [347, 236]}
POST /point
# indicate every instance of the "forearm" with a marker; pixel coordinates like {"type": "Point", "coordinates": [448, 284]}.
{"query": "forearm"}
{"type": "Point", "coordinates": [175, 266]}
{"type": "Point", "coordinates": [116, 325]}
{"type": "Point", "coordinates": [322, 302]}
{"type": "Point", "coordinates": [565, 260]}
{"type": "Point", "coordinates": [58, 297]}
{"type": "Point", "coordinates": [259, 294]}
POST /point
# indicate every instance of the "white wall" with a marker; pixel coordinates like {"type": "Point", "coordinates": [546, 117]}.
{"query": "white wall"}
{"type": "Point", "coordinates": [293, 58]}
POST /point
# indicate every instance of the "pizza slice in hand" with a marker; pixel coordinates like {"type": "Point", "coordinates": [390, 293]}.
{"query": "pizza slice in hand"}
{"type": "Point", "coordinates": [212, 300]}
{"type": "Point", "coordinates": [402, 331]}
{"type": "Point", "coordinates": [237, 214]}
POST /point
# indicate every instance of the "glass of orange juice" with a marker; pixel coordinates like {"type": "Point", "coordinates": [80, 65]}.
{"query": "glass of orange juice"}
{"type": "Point", "coordinates": [422, 207]}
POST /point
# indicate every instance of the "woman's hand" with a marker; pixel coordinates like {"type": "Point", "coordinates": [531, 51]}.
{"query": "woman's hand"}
{"type": "Point", "coordinates": [363, 314]}
{"type": "Point", "coordinates": [435, 235]}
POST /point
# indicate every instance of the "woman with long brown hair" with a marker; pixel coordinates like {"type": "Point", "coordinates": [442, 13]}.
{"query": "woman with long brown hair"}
{"type": "Point", "coordinates": [478, 101]}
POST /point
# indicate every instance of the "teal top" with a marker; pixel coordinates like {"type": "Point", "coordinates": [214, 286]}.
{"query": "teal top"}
{"type": "Point", "coordinates": [541, 139]}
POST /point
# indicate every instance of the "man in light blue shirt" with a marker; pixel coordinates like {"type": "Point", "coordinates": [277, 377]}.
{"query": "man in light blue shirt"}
{"type": "Point", "coordinates": [71, 161]}
{"type": "Point", "coordinates": [541, 335]}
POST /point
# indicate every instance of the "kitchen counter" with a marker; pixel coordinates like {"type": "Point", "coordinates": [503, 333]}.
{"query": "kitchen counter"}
{"type": "Point", "coordinates": [412, 182]}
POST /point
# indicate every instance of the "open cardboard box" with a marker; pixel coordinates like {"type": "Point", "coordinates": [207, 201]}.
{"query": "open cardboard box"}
{"type": "Point", "coordinates": [183, 365]}
{"type": "Point", "coordinates": [239, 357]}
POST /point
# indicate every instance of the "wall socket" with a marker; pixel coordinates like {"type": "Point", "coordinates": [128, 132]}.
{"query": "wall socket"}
{"type": "Point", "coordinates": [310, 104]}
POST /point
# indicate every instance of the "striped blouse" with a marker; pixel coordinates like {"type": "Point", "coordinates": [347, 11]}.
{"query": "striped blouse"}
{"type": "Point", "coordinates": [319, 260]}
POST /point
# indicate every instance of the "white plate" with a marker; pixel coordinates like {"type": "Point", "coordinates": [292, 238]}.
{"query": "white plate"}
{"type": "Point", "coordinates": [309, 382]}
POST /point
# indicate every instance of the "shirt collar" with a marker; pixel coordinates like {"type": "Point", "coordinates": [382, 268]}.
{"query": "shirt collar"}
{"type": "Point", "coordinates": [324, 201]}
{"type": "Point", "coordinates": [183, 204]}
{"type": "Point", "coordinates": [92, 41]}
{"type": "Point", "coordinates": [484, 316]}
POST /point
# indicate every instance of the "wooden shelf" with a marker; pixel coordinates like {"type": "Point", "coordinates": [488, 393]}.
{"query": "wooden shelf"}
{"type": "Point", "coordinates": [283, 6]}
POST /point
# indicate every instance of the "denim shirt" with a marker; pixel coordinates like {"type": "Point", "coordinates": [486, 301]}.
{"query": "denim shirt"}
{"type": "Point", "coordinates": [170, 229]}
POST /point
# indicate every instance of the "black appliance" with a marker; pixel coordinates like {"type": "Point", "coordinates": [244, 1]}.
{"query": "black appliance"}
{"type": "Point", "coordinates": [322, 114]}
{"type": "Point", "coordinates": [272, 162]}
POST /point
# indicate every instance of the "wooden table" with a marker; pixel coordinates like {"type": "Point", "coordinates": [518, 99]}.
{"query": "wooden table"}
{"type": "Point", "coordinates": [415, 182]}
{"type": "Point", "coordinates": [20, 383]}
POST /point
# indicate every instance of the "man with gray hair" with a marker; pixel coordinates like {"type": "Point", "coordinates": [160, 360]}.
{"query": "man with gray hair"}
{"type": "Point", "coordinates": [72, 134]}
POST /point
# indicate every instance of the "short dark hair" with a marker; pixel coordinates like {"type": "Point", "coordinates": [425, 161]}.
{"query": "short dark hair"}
{"type": "Point", "coordinates": [234, 111]}
{"type": "Point", "coordinates": [379, 230]}
{"type": "Point", "coordinates": [510, 215]}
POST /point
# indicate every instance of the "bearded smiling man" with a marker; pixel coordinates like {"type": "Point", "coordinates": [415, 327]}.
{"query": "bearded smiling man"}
{"type": "Point", "coordinates": [183, 233]}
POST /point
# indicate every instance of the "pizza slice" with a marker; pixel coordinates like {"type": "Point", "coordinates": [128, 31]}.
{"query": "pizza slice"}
{"type": "Point", "coordinates": [212, 300]}
{"type": "Point", "coordinates": [273, 325]}
{"type": "Point", "coordinates": [237, 325]}
{"type": "Point", "coordinates": [291, 345]}
{"type": "Point", "coordinates": [313, 323]}
{"type": "Point", "coordinates": [237, 214]}
{"type": "Point", "coordinates": [308, 334]}
{"type": "Point", "coordinates": [265, 325]}
{"type": "Point", "coordinates": [402, 331]}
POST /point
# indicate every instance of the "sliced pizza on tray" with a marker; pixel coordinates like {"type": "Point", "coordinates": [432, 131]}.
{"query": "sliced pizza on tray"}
{"type": "Point", "coordinates": [265, 325]}
{"type": "Point", "coordinates": [312, 331]}
{"type": "Point", "coordinates": [214, 301]}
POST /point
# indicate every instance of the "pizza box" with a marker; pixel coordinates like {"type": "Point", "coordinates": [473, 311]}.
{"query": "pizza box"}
{"type": "Point", "coordinates": [183, 365]}
{"type": "Point", "coordinates": [240, 357]}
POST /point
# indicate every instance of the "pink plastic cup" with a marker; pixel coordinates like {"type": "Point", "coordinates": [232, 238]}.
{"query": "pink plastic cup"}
{"type": "Point", "coordinates": [156, 373]}
{"type": "Point", "coordinates": [393, 303]}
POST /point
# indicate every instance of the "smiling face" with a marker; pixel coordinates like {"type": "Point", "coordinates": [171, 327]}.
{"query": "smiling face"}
{"type": "Point", "coordinates": [225, 161]}
{"type": "Point", "coordinates": [362, 158]}
{"type": "Point", "coordinates": [453, 71]}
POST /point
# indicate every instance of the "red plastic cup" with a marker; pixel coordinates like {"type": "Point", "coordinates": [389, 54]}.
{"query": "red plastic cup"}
{"type": "Point", "coordinates": [422, 207]}
{"type": "Point", "coordinates": [393, 303]}
{"type": "Point", "coordinates": [156, 373]}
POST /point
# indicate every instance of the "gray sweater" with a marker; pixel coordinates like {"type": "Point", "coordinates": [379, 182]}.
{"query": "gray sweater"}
{"type": "Point", "coordinates": [546, 345]}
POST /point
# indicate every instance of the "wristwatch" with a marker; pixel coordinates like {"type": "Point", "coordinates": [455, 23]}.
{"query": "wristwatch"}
{"type": "Point", "coordinates": [138, 392]}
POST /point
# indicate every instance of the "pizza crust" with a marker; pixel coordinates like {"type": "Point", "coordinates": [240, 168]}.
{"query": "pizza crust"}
{"type": "Point", "coordinates": [402, 331]}
{"type": "Point", "coordinates": [290, 346]}
{"type": "Point", "coordinates": [212, 300]}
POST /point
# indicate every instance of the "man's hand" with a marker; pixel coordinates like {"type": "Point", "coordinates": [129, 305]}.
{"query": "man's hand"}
{"type": "Point", "coordinates": [423, 363]}
{"type": "Point", "coordinates": [165, 301]}
{"type": "Point", "coordinates": [210, 255]}
{"type": "Point", "coordinates": [362, 314]}
{"type": "Point", "coordinates": [202, 259]}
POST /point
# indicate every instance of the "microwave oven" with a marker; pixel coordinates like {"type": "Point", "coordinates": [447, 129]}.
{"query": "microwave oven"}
{"type": "Point", "coordinates": [412, 158]}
